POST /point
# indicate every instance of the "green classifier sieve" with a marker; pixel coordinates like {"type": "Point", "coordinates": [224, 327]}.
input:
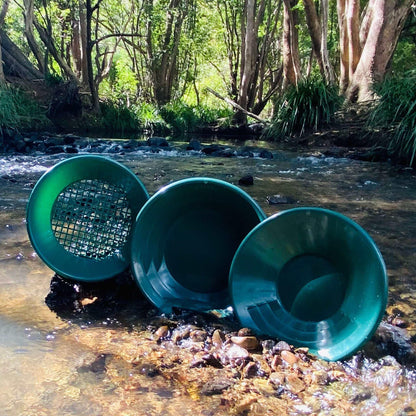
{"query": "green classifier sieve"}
{"type": "Point", "coordinates": [80, 215]}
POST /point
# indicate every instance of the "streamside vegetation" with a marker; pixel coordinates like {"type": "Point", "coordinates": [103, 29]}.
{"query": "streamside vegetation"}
{"type": "Point", "coordinates": [172, 66]}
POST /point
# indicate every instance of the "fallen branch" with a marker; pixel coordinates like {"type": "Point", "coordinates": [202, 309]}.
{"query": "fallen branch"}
{"type": "Point", "coordinates": [237, 106]}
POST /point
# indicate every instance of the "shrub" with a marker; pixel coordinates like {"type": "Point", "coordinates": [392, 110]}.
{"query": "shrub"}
{"type": "Point", "coordinates": [19, 111]}
{"type": "Point", "coordinates": [119, 118]}
{"type": "Point", "coordinates": [310, 105]}
{"type": "Point", "coordinates": [184, 118]}
{"type": "Point", "coordinates": [396, 109]}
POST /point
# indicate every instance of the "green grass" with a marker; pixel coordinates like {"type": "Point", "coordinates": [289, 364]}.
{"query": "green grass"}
{"type": "Point", "coordinates": [173, 118]}
{"type": "Point", "coordinates": [184, 118]}
{"type": "Point", "coordinates": [396, 109]}
{"type": "Point", "coordinates": [19, 111]}
{"type": "Point", "coordinates": [308, 106]}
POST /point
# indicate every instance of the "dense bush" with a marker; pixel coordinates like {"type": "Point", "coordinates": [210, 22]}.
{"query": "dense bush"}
{"type": "Point", "coordinates": [183, 118]}
{"type": "Point", "coordinates": [174, 118]}
{"type": "Point", "coordinates": [19, 111]}
{"type": "Point", "coordinates": [396, 109]}
{"type": "Point", "coordinates": [310, 105]}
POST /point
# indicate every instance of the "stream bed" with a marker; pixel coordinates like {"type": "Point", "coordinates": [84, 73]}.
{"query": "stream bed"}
{"type": "Point", "coordinates": [101, 349]}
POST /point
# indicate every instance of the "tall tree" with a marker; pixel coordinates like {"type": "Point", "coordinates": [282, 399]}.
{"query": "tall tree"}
{"type": "Point", "coordinates": [29, 33]}
{"type": "Point", "coordinates": [367, 45]}
{"type": "Point", "coordinates": [163, 36]}
{"type": "Point", "coordinates": [251, 41]}
{"type": "Point", "coordinates": [3, 12]}
{"type": "Point", "coordinates": [318, 30]}
{"type": "Point", "coordinates": [291, 60]}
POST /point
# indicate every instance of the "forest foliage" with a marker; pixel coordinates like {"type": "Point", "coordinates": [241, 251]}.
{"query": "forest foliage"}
{"type": "Point", "coordinates": [178, 63]}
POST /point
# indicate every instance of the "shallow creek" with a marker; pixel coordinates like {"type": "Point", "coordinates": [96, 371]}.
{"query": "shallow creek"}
{"type": "Point", "coordinates": [115, 355]}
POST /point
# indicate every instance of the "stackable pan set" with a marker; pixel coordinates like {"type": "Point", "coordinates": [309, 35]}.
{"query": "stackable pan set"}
{"type": "Point", "coordinates": [309, 276]}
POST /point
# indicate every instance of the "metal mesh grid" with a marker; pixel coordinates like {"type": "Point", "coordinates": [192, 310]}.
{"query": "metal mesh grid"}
{"type": "Point", "coordinates": [92, 218]}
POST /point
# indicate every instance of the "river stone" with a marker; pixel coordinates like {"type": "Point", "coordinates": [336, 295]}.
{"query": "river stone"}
{"type": "Point", "coordinates": [213, 149]}
{"type": "Point", "coordinates": [277, 378]}
{"type": "Point", "coordinates": [250, 370]}
{"type": "Point", "coordinates": [245, 152]}
{"type": "Point", "coordinates": [212, 360]}
{"type": "Point", "coordinates": [216, 386]}
{"type": "Point", "coordinates": [320, 377]}
{"type": "Point", "coordinates": [198, 335]}
{"type": "Point", "coordinates": [71, 149]}
{"type": "Point", "coordinates": [294, 383]}
{"type": "Point", "coordinates": [236, 352]}
{"type": "Point", "coordinates": [244, 332]}
{"type": "Point", "coordinates": [280, 199]}
{"type": "Point", "coordinates": [289, 357]}
{"type": "Point", "coordinates": [194, 144]}
{"type": "Point", "coordinates": [20, 145]}
{"type": "Point", "coordinates": [246, 180]}
{"type": "Point", "coordinates": [281, 346]}
{"type": "Point", "coordinates": [157, 142]}
{"type": "Point", "coordinates": [52, 150]}
{"type": "Point", "coordinates": [218, 338]}
{"type": "Point", "coordinates": [162, 332]}
{"type": "Point", "coordinates": [70, 138]}
{"type": "Point", "coordinates": [249, 343]}
{"type": "Point", "coordinates": [266, 154]}
{"type": "Point", "coordinates": [394, 341]}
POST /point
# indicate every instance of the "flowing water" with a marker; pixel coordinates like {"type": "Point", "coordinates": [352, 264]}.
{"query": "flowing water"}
{"type": "Point", "coordinates": [57, 365]}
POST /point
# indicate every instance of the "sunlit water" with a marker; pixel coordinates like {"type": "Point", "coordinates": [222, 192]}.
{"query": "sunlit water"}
{"type": "Point", "coordinates": [44, 358]}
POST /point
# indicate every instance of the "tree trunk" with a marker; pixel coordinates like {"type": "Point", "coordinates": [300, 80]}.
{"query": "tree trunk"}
{"type": "Point", "coordinates": [3, 12]}
{"type": "Point", "coordinates": [314, 26]}
{"type": "Point", "coordinates": [29, 16]}
{"type": "Point", "coordinates": [15, 61]}
{"type": "Point", "coordinates": [290, 47]}
{"type": "Point", "coordinates": [376, 43]}
{"type": "Point", "coordinates": [76, 50]}
{"type": "Point", "coordinates": [50, 45]}
{"type": "Point", "coordinates": [84, 42]}
{"type": "Point", "coordinates": [95, 103]}
{"type": "Point", "coordinates": [329, 73]}
{"type": "Point", "coordinates": [350, 47]}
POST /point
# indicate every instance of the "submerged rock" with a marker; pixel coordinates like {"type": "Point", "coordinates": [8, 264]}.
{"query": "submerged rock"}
{"type": "Point", "coordinates": [216, 386]}
{"type": "Point", "coordinates": [246, 180]}
{"type": "Point", "coordinates": [280, 199]}
{"type": "Point", "coordinates": [194, 144]}
{"type": "Point", "coordinates": [157, 142]}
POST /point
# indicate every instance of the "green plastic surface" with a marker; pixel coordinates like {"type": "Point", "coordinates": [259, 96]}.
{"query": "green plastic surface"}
{"type": "Point", "coordinates": [80, 215]}
{"type": "Point", "coordinates": [312, 277]}
{"type": "Point", "coordinates": [184, 241]}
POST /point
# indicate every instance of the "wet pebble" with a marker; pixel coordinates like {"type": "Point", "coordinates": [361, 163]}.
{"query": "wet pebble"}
{"type": "Point", "coordinates": [235, 355]}
{"type": "Point", "coordinates": [280, 200]}
{"type": "Point", "coordinates": [212, 360]}
{"type": "Point", "coordinates": [218, 338]}
{"type": "Point", "coordinates": [198, 335]}
{"type": "Point", "coordinates": [216, 386]}
{"type": "Point", "coordinates": [250, 343]}
{"type": "Point", "coordinates": [277, 378]}
{"type": "Point", "coordinates": [157, 142]}
{"type": "Point", "coordinates": [289, 357]}
{"type": "Point", "coordinates": [180, 333]}
{"type": "Point", "coordinates": [194, 144]}
{"type": "Point", "coordinates": [266, 154]}
{"type": "Point", "coordinates": [281, 346]}
{"type": "Point", "coordinates": [319, 377]}
{"type": "Point", "coordinates": [246, 180]}
{"type": "Point", "coordinates": [250, 370]}
{"type": "Point", "coordinates": [295, 384]}
{"type": "Point", "coordinates": [161, 332]}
